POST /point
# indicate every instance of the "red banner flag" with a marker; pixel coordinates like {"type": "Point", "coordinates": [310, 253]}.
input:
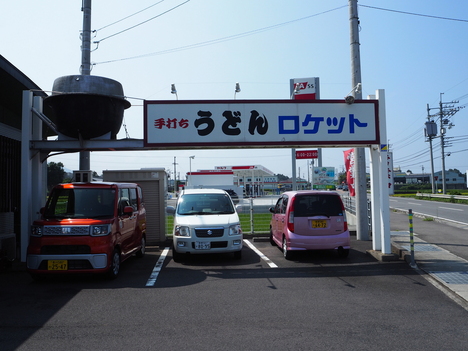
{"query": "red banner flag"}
{"type": "Point", "coordinates": [349, 165]}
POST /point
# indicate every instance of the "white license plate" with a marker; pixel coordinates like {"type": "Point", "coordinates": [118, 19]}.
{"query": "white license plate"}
{"type": "Point", "coordinates": [202, 245]}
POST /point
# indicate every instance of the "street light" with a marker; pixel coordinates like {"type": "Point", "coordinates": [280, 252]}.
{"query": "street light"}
{"type": "Point", "coordinates": [190, 168]}
{"type": "Point", "coordinates": [237, 90]}
{"type": "Point", "coordinates": [174, 91]}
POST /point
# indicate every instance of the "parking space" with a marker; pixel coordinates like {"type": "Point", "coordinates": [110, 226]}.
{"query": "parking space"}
{"type": "Point", "coordinates": [258, 257]}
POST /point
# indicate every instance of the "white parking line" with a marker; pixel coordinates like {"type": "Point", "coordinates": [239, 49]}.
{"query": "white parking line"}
{"type": "Point", "coordinates": [262, 256]}
{"type": "Point", "coordinates": [157, 268]}
{"type": "Point", "coordinates": [451, 208]}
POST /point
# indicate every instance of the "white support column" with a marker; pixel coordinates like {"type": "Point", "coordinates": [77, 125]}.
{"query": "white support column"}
{"type": "Point", "coordinates": [376, 180]}
{"type": "Point", "coordinates": [38, 168]}
{"type": "Point", "coordinates": [26, 184]}
{"type": "Point", "coordinates": [384, 198]}
{"type": "Point", "coordinates": [33, 175]}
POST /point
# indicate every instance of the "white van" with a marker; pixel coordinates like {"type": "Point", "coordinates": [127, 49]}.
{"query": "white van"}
{"type": "Point", "coordinates": [205, 221]}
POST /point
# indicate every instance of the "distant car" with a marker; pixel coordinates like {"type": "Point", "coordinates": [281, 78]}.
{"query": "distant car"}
{"type": "Point", "coordinates": [339, 187]}
{"type": "Point", "coordinates": [205, 221]}
{"type": "Point", "coordinates": [233, 195]}
{"type": "Point", "coordinates": [309, 220]}
{"type": "Point", "coordinates": [345, 188]}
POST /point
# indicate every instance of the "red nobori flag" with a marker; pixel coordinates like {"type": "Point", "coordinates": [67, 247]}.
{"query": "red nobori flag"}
{"type": "Point", "coordinates": [349, 165]}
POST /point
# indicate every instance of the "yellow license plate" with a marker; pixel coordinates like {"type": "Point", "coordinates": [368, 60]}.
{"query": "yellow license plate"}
{"type": "Point", "coordinates": [319, 223]}
{"type": "Point", "coordinates": [57, 265]}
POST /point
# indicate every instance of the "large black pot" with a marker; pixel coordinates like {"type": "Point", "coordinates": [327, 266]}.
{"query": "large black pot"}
{"type": "Point", "coordinates": [87, 107]}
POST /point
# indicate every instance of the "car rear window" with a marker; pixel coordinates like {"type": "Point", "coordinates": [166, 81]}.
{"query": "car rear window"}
{"type": "Point", "coordinates": [313, 205]}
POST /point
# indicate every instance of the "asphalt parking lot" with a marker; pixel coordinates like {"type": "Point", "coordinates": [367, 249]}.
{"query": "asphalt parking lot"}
{"type": "Point", "coordinates": [211, 302]}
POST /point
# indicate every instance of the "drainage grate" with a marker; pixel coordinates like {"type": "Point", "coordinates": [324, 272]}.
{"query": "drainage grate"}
{"type": "Point", "coordinates": [452, 277]}
{"type": "Point", "coordinates": [421, 247]}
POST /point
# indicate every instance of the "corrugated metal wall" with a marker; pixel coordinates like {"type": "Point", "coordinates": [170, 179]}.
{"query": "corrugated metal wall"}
{"type": "Point", "coordinates": [154, 189]}
{"type": "Point", "coordinates": [10, 178]}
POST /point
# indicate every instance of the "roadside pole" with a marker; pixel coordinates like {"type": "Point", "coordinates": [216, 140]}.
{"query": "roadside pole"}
{"type": "Point", "coordinates": [410, 216]}
{"type": "Point", "coordinates": [362, 228]}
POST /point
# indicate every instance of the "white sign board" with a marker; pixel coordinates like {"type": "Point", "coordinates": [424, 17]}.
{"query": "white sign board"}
{"type": "Point", "coordinates": [260, 123]}
{"type": "Point", "coordinates": [305, 88]}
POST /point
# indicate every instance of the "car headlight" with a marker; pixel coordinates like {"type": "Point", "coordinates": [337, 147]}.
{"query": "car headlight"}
{"type": "Point", "coordinates": [100, 230]}
{"type": "Point", "coordinates": [181, 230]}
{"type": "Point", "coordinates": [235, 229]}
{"type": "Point", "coordinates": [36, 230]}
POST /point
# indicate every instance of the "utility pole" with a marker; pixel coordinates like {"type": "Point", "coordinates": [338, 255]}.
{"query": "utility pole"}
{"type": "Point", "coordinates": [85, 163]}
{"type": "Point", "coordinates": [362, 227]}
{"type": "Point", "coordinates": [446, 110]}
{"type": "Point", "coordinates": [175, 175]}
{"type": "Point", "coordinates": [431, 133]}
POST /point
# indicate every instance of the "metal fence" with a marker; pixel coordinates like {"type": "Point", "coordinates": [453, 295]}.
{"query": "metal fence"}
{"type": "Point", "coordinates": [255, 215]}
{"type": "Point", "coordinates": [350, 206]}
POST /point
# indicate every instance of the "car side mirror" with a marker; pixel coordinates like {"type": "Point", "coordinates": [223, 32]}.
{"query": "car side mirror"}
{"type": "Point", "coordinates": [238, 208]}
{"type": "Point", "coordinates": [128, 210]}
{"type": "Point", "coordinates": [170, 210]}
{"type": "Point", "coordinates": [271, 209]}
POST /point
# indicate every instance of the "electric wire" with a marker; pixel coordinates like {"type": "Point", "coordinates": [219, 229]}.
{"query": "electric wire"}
{"type": "Point", "coordinates": [220, 40]}
{"type": "Point", "coordinates": [139, 24]}
{"type": "Point", "coordinates": [414, 14]}
{"type": "Point", "coordinates": [120, 20]}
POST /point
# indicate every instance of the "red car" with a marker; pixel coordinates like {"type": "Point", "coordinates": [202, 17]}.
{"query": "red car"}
{"type": "Point", "coordinates": [88, 228]}
{"type": "Point", "coordinates": [309, 220]}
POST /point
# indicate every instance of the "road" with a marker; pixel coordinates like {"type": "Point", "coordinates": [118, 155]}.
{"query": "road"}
{"type": "Point", "coordinates": [457, 213]}
{"type": "Point", "coordinates": [315, 302]}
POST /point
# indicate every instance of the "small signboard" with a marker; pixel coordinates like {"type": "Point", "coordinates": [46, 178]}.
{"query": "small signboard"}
{"type": "Point", "coordinates": [306, 154]}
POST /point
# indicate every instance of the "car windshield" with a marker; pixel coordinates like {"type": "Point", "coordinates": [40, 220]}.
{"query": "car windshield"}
{"type": "Point", "coordinates": [80, 203]}
{"type": "Point", "coordinates": [205, 204]}
{"type": "Point", "coordinates": [315, 205]}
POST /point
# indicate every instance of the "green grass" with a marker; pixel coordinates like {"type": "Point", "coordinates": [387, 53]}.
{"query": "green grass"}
{"type": "Point", "coordinates": [261, 222]}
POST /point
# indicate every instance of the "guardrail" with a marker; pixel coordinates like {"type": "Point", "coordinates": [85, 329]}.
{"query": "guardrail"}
{"type": "Point", "coordinates": [349, 203]}
{"type": "Point", "coordinates": [443, 196]}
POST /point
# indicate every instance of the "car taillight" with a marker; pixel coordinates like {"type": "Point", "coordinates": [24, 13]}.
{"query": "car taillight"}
{"type": "Point", "coordinates": [291, 216]}
{"type": "Point", "coordinates": [345, 226]}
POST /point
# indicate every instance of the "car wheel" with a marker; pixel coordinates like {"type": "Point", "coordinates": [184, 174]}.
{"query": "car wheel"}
{"type": "Point", "coordinates": [176, 256]}
{"type": "Point", "coordinates": [115, 265]}
{"type": "Point", "coordinates": [287, 254]}
{"type": "Point", "coordinates": [140, 253]}
{"type": "Point", "coordinates": [238, 255]}
{"type": "Point", "coordinates": [343, 253]}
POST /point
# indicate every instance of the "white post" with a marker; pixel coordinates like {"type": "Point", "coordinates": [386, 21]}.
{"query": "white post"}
{"type": "Point", "coordinates": [25, 172]}
{"type": "Point", "coordinates": [33, 173]}
{"type": "Point", "coordinates": [376, 179]}
{"type": "Point", "coordinates": [384, 198]}
{"type": "Point", "coordinates": [38, 168]}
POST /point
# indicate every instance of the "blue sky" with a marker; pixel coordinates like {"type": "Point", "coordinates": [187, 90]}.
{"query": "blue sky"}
{"type": "Point", "coordinates": [205, 46]}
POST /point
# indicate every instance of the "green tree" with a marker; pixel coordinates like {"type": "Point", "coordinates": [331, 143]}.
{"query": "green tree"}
{"type": "Point", "coordinates": [55, 174]}
{"type": "Point", "coordinates": [281, 177]}
{"type": "Point", "coordinates": [341, 177]}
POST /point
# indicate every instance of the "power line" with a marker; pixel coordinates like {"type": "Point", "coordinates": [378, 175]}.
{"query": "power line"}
{"type": "Point", "coordinates": [139, 24]}
{"type": "Point", "coordinates": [414, 14]}
{"type": "Point", "coordinates": [219, 40]}
{"type": "Point", "coordinates": [111, 24]}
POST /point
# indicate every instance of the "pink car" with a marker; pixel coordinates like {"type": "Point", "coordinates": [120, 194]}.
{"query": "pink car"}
{"type": "Point", "coordinates": [309, 220]}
